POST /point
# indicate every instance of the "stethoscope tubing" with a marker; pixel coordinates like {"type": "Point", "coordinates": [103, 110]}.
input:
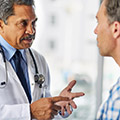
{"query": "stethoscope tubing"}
{"type": "Point", "coordinates": [3, 83]}
{"type": "Point", "coordinates": [40, 76]}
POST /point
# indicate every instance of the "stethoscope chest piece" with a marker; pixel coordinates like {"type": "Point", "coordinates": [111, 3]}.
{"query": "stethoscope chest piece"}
{"type": "Point", "coordinates": [39, 79]}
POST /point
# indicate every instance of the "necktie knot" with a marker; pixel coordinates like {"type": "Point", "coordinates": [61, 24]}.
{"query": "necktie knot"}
{"type": "Point", "coordinates": [18, 53]}
{"type": "Point", "coordinates": [17, 60]}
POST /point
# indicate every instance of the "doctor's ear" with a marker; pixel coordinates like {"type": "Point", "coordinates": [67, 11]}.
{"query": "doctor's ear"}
{"type": "Point", "coordinates": [116, 29]}
{"type": "Point", "coordinates": [1, 26]}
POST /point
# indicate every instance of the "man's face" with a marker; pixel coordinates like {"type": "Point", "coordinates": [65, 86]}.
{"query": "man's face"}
{"type": "Point", "coordinates": [104, 32]}
{"type": "Point", "coordinates": [19, 27]}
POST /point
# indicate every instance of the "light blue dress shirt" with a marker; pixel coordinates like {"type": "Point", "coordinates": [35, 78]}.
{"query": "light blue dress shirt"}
{"type": "Point", "coordinates": [9, 51]}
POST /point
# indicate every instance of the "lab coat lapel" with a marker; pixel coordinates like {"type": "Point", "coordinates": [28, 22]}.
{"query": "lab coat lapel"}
{"type": "Point", "coordinates": [10, 70]}
{"type": "Point", "coordinates": [12, 78]}
{"type": "Point", "coordinates": [12, 74]}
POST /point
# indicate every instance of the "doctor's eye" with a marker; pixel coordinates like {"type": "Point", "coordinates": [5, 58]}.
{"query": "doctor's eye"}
{"type": "Point", "coordinates": [34, 23]}
{"type": "Point", "coordinates": [24, 23]}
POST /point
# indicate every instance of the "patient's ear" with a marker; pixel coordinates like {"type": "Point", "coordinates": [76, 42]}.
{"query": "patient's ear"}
{"type": "Point", "coordinates": [116, 29]}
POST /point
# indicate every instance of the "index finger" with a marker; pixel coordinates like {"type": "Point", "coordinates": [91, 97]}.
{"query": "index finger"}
{"type": "Point", "coordinates": [59, 98]}
{"type": "Point", "coordinates": [77, 94]}
{"type": "Point", "coordinates": [70, 85]}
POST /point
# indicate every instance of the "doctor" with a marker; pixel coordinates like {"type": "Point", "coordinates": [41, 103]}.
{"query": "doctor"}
{"type": "Point", "coordinates": [21, 97]}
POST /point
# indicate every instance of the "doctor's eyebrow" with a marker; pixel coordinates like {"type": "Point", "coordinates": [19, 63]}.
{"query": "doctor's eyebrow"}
{"type": "Point", "coordinates": [35, 20]}
{"type": "Point", "coordinates": [22, 20]}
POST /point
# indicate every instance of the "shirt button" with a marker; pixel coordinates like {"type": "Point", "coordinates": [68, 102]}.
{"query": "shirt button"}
{"type": "Point", "coordinates": [32, 84]}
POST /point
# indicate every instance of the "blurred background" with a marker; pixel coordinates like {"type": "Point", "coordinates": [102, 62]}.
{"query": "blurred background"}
{"type": "Point", "coordinates": [65, 37]}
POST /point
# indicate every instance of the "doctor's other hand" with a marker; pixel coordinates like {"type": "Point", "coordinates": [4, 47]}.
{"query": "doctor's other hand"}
{"type": "Point", "coordinates": [66, 92]}
{"type": "Point", "coordinates": [45, 108]}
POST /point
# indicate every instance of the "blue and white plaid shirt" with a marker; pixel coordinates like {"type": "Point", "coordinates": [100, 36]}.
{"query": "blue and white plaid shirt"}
{"type": "Point", "coordinates": [110, 110]}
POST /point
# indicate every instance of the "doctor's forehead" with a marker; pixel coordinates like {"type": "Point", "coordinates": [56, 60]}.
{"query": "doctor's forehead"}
{"type": "Point", "coordinates": [23, 9]}
{"type": "Point", "coordinates": [24, 12]}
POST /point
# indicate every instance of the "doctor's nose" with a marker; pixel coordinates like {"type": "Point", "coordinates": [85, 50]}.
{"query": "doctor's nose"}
{"type": "Point", "coordinates": [30, 30]}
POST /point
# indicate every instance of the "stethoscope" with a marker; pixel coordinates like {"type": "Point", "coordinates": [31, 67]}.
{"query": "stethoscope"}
{"type": "Point", "coordinates": [38, 78]}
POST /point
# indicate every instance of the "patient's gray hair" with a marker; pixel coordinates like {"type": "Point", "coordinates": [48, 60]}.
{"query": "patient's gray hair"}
{"type": "Point", "coordinates": [113, 10]}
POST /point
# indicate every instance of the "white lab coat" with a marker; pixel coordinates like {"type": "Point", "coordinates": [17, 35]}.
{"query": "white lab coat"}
{"type": "Point", "coordinates": [14, 104]}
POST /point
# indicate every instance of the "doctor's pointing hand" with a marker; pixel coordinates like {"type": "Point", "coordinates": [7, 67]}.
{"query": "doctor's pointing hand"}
{"type": "Point", "coordinates": [47, 108]}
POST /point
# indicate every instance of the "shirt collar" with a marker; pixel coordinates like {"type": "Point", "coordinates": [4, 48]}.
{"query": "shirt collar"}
{"type": "Point", "coordinates": [9, 50]}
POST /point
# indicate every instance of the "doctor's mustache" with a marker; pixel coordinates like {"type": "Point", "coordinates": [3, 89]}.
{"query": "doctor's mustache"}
{"type": "Point", "coordinates": [28, 37]}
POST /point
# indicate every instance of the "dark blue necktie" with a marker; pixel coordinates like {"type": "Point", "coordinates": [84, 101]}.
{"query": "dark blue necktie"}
{"type": "Point", "coordinates": [17, 58]}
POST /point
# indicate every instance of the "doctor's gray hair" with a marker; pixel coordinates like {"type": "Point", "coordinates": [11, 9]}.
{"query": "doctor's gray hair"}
{"type": "Point", "coordinates": [6, 7]}
{"type": "Point", "coordinates": [113, 10]}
